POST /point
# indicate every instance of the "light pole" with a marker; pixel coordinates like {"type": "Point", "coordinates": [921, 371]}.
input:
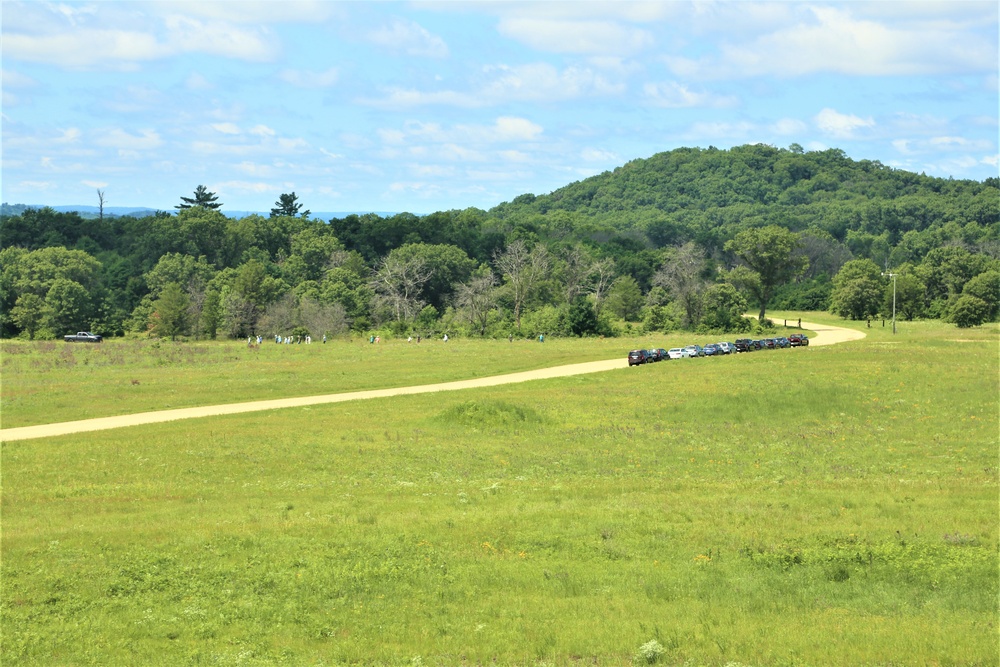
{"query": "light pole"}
{"type": "Point", "coordinates": [893, 276]}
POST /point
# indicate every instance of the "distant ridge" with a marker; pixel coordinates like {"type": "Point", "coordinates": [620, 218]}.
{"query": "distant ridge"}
{"type": "Point", "coordinates": [141, 211]}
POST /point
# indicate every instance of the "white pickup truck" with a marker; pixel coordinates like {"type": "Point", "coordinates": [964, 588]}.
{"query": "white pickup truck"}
{"type": "Point", "coordinates": [83, 337]}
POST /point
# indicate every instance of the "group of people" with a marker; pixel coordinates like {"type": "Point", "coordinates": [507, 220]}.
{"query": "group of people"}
{"type": "Point", "coordinates": [292, 340]}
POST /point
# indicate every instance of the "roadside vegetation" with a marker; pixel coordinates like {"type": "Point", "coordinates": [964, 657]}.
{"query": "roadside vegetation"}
{"type": "Point", "coordinates": [818, 506]}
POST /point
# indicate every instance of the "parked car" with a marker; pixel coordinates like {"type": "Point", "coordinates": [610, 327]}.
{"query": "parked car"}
{"type": "Point", "coordinates": [757, 345]}
{"type": "Point", "coordinates": [636, 357]}
{"type": "Point", "coordinates": [695, 351]}
{"type": "Point", "coordinates": [662, 354]}
{"type": "Point", "coordinates": [711, 350]}
{"type": "Point", "coordinates": [676, 353]}
{"type": "Point", "coordinates": [726, 348]}
{"type": "Point", "coordinates": [83, 337]}
{"type": "Point", "coordinates": [744, 345]}
{"type": "Point", "coordinates": [795, 340]}
{"type": "Point", "coordinates": [768, 343]}
{"type": "Point", "coordinates": [782, 342]}
{"type": "Point", "coordinates": [653, 355]}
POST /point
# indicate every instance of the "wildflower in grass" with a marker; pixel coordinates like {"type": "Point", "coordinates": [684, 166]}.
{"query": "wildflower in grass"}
{"type": "Point", "coordinates": [650, 652]}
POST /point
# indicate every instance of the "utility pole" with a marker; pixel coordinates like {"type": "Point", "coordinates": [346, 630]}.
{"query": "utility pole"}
{"type": "Point", "coordinates": [893, 276]}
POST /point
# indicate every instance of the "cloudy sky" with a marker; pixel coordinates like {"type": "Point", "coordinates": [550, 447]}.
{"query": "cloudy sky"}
{"type": "Point", "coordinates": [426, 106]}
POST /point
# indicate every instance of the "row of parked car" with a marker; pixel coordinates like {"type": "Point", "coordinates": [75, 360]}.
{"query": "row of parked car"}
{"type": "Point", "coordinates": [636, 357]}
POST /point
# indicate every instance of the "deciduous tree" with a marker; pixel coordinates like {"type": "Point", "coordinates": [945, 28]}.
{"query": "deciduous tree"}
{"type": "Point", "coordinates": [521, 268]}
{"type": "Point", "coordinates": [770, 252]}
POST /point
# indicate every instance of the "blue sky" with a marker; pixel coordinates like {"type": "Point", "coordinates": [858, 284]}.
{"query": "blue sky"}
{"type": "Point", "coordinates": [426, 106]}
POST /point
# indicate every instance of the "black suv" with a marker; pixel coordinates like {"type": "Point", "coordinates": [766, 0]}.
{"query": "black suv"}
{"type": "Point", "coordinates": [744, 345]}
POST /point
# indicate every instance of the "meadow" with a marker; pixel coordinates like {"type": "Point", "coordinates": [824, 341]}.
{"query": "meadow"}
{"type": "Point", "coordinates": [820, 506]}
{"type": "Point", "coordinates": [52, 381]}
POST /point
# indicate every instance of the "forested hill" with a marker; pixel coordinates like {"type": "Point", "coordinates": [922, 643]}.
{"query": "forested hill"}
{"type": "Point", "coordinates": [668, 242]}
{"type": "Point", "coordinates": [708, 195]}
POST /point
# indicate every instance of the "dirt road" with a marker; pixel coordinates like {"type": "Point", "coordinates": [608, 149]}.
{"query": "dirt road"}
{"type": "Point", "coordinates": [825, 335]}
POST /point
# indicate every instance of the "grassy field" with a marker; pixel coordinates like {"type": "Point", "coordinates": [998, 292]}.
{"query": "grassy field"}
{"type": "Point", "coordinates": [822, 506]}
{"type": "Point", "coordinates": [47, 382]}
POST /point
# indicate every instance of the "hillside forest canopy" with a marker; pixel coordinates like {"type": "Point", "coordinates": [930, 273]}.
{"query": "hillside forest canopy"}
{"type": "Point", "coordinates": [689, 239]}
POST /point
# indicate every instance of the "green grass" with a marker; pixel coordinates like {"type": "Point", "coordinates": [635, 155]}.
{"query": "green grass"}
{"type": "Point", "coordinates": [827, 506]}
{"type": "Point", "coordinates": [46, 382]}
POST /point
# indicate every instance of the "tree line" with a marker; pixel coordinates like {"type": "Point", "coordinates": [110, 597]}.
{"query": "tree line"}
{"type": "Point", "coordinates": [689, 239]}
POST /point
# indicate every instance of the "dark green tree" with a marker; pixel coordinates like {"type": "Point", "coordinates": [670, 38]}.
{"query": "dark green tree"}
{"type": "Point", "coordinates": [910, 296]}
{"type": "Point", "coordinates": [857, 290]}
{"type": "Point", "coordinates": [770, 253]}
{"type": "Point", "coordinates": [986, 286]}
{"type": "Point", "coordinates": [723, 308]}
{"type": "Point", "coordinates": [624, 298]}
{"type": "Point", "coordinates": [287, 205]}
{"type": "Point", "coordinates": [582, 318]}
{"type": "Point", "coordinates": [29, 313]}
{"type": "Point", "coordinates": [968, 311]}
{"type": "Point", "coordinates": [68, 307]}
{"type": "Point", "coordinates": [171, 317]}
{"type": "Point", "coordinates": [202, 197]}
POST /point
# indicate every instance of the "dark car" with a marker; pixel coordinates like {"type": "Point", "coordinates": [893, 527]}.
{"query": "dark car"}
{"type": "Point", "coordinates": [768, 343]}
{"type": "Point", "coordinates": [712, 349]}
{"type": "Point", "coordinates": [662, 354]}
{"type": "Point", "coordinates": [757, 345]}
{"type": "Point", "coordinates": [782, 342]}
{"type": "Point", "coordinates": [653, 355]}
{"type": "Point", "coordinates": [796, 340]}
{"type": "Point", "coordinates": [744, 345]}
{"type": "Point", "coordinates": [83, 337]}
{"type": "Point", "coordinates": [636, 357]}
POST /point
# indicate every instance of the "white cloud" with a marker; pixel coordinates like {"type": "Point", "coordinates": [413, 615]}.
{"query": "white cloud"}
{"type": "Point", "coordinates": [69, 136]}
{"type": "Point", "coordinates": [241, 187]}
{"type": "Point", "coordinates": [597, 155]}
{"type": "Point", "coordinates": [309, 79]}
{"type": "Point", "coordinates": [253, 169]}
{"type": "Point", "coordinates": [674, 95]}
{"type": "Point", "coordinates": [508, 128]}
{"type": "Point", "coordinates": [535, 82]}
{"type": "Point", "coordinates": [187, 35]}
{"type": "Point", "coordinates": [84, 48]}
{"type": "Point", "coordinates": [14, 79]}
{"type": "Point", "coordinates": [84, 39]}
{"type": "Point", "coordinates": [787, 127]}
{"type": "Point", "coordinates": [714, 131]}
{"type": "Point", "coordinates": [578, 37]}
{"type": "Point", "coordinates": [542, 81]}
{"type": "Point", "coordinates": [262, 131]}
{"type": "Point", "coordinates": [37, 185]}
{"type": "Point", "coordinates": [122, 140]}
{"type": "Point", "coordinates": [407, 37]}
{"type": "Point", "coordinates": [254, 11]}
{"type": "Point", "coordinates": [226, 128]}
{"type": "Point", "coordinates": [840, 126]}
{"type": "Point", "coordinates": [95, 184]}
{"type": "Point", "coordinates": [824, 38]}
{"type": "Point", "coordinates": [196, 81]}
